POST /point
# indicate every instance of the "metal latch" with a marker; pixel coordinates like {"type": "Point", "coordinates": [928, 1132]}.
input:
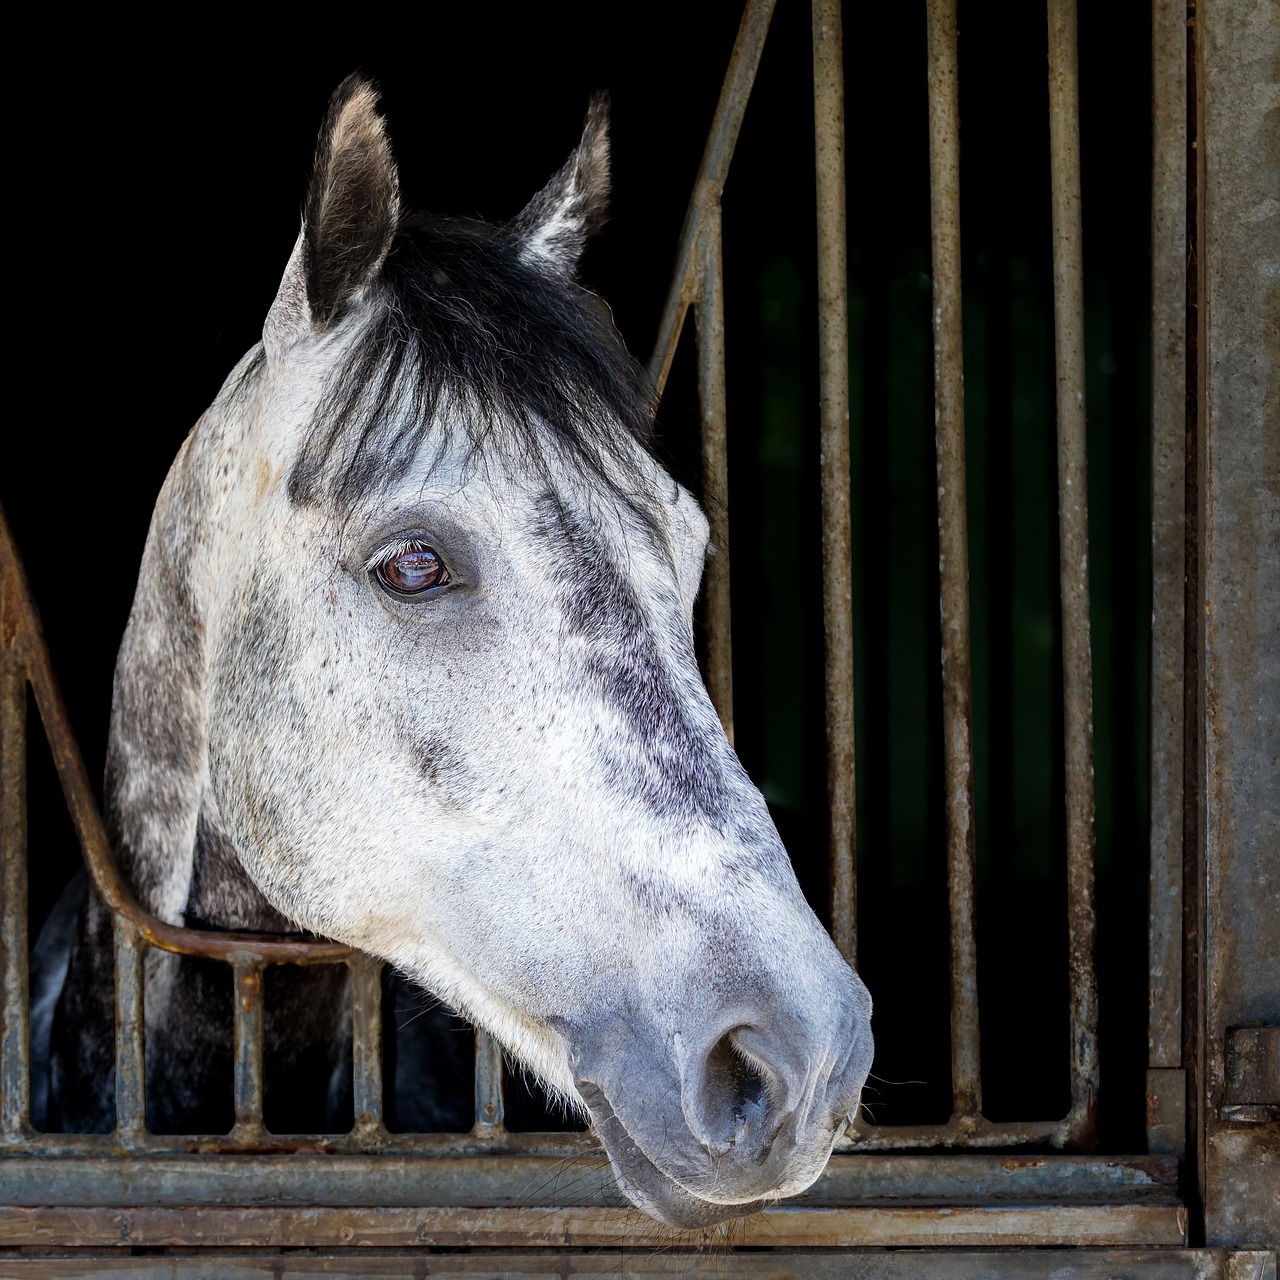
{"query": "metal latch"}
{"type": "Point", "coordinates": [1253, 1075]}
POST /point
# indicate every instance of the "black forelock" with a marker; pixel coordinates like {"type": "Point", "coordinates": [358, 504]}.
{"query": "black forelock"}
{"type": "Point", "coordinates": [523, 361]}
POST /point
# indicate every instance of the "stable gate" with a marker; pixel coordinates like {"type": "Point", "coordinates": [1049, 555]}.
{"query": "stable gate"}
{"type": "Point", "coordinates": [968, 1196]}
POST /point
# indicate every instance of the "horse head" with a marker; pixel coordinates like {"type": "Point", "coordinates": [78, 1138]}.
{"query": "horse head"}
{"type": "Point", "coordinates": [413, 647]}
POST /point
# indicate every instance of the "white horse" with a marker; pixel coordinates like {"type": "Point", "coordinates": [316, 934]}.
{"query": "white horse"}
{"type": "Point", "coordinates": [410, 665]}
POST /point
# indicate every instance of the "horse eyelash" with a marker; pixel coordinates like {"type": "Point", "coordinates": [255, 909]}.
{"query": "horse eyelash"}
{"type": "Point", "coordinates": [392, 549]}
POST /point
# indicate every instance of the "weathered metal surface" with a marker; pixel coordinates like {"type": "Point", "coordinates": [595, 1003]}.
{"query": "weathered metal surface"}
{"type": "Point", "coordinates": [1239, 242]}
{"type": "Point", "coordinates": [15, 1090]}
{"type": "Point", "coordinates": [391, 1179]}
{"type": "Point", "coordinates": [833, 399]}
{"type": "Point", "coordinates": [1073, 537]}
{"type": "Point", "coordinates": [687, 1264]}
{"type": "Point", "coordinates": [247, 1034]}
{"type": "Point", "coordinates": [1251, 1264]}
{"type": "Point", "coordinates": [713, 408]}
{"type": "Point", "coordinates": [709, 184]}
{"type": "Point", "coordinates": [1166, 1111]}
{"type": "Point", "coordinates": [953, 556]}
{"type": "Point", "coordinates": [366, 1041]}
{"type": "Point", "coordinates": [1090, 1226]}
{"type": "Point", "coordinates": [1168, 563]}
{"type": "Point", "coordinates": [489, 1100]}
{"type": "Point", "coordinates": [1252, 1094]}
{"type": "Point", "coordinates": [131, 1075]}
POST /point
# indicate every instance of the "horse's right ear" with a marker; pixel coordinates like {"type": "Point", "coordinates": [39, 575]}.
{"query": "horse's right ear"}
{"type": "Point", "coordinates": [348, 222]}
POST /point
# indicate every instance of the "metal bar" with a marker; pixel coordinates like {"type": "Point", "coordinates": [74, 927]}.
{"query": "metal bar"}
{"type": "Point", "coordinates": [953, 549]}
{"type": "Point", "coordinates": [1073, 534]}
{"type": "Point", "coordinates": [131, 1071]}
{"type": "Point", "coordinates": [247, 1023]}
{"type": "Point", "coordinates": [709, 184]}
{"type": "Point", "coordinates": [366, 1040]}
{"type": "Point", "coordinates": [867, 1226]}
{"type": "Point", "coordinates": [476, 1178]}
{"type": "Point", "coordinates": [489, 1102]}
{"type": "Point", "coordinates": [712, 402]}
{"type": "Point", "coordinates": [833, 390]}
{"type": "Point", "coordinates": [650, 1262]}
{"type": "Point", "coordinates": [1166, 1084]}
{"type": "Point", "coordinates": [15, 1076]}
{"type": "Point", "coordinates": [22, 619]}
{"type": "Point", "coordinates": [1168, 519]}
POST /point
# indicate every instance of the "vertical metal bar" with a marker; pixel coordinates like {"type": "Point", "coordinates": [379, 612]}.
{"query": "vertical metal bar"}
{"type": "Point", "coordinates": [131, 1075]}
{"type": "Point", "coordinates": [709, 184]}
{"type": "Point", "coordinates": [1165, 1080]}
{"type": "Point", "coordinates": [953, 548]}
{"type": "Point", "coordinates": [15, 1077]}
{"type": "Point", "coordinates": [247, 1024]}
{"type": "Point", "coordinates": [837, 552]}
{"type": "Point", "coordinates": [1073, 533]}
{"type": "Point", "coordinates": [715, 466]}
{"type": "Point", "coordinates": [366, 1040]}
{"type": "Point", "coordinates": [489, 1106]}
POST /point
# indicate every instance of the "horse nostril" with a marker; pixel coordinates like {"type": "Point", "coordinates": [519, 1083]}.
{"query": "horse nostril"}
{"type": "Point", "coordinates": [732, 1104]}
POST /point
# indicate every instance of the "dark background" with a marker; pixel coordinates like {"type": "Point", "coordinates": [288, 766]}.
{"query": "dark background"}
{"type": "Point", "coordinates": [163, 194]}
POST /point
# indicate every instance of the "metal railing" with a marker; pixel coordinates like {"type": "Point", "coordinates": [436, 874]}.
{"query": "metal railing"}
{"type": "Point", "coordinates": [698, 285]}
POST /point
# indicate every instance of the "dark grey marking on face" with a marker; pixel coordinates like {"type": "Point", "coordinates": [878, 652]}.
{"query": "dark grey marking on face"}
{"type": "Point", "coordinates": [682, 764]}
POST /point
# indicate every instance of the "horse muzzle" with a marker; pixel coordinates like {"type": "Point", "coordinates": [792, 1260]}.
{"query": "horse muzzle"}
{"type": "Point", "coordinates": [700, 1128]}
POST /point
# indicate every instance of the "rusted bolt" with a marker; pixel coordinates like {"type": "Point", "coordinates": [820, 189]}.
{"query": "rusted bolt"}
{"type": "Point", "coordinates": [250, 986]}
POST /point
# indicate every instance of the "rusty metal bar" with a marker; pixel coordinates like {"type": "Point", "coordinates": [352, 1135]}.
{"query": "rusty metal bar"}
{"type": "Point", "coordinates": [709, 184]}
{"type": "Point", "coordinates": [833, 392]}
{"type": "Point", "coordinates": [953, 553]}
{"type": "Point", "coordinates": [366, 1040]}
{"type": "Point", "coordinates": [131, 1071]}
{"type": "Point", "coordinates": [247, 1025]}
{"type": "Point", "coordinates": [15, 1090]}
{"type": "Point", "coordinates": [1073, 534]}
{"type": "Point", "coordinates": [776, 1227]}
{"type": "Point", "coordinates": [712, 399]}
{"type": "Point", "coordinates": [1166, 1082]}
{"type": "Point", "coordinates": [489, 1102]}
{"type": "Point", "coordinates": [473, 1178]}
{"type": "Point", "coordinates": [23, 623]}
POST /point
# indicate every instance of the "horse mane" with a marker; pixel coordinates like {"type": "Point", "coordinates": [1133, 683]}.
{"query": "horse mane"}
{"type": "Point", "coordinates": [466, 335]}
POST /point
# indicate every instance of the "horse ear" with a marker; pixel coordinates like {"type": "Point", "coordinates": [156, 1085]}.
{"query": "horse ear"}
{"type": "Point", "coordinates": [348, 221]}
{"type": "Point", "coordinates": [553, 227]}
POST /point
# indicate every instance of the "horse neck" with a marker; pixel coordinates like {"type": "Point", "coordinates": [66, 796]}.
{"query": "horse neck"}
{"type": "Point", "coordinates": [222, 896]}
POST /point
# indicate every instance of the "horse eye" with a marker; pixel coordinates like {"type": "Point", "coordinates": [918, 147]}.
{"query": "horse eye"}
{"type": "Point", "coordinates": [411, 569]}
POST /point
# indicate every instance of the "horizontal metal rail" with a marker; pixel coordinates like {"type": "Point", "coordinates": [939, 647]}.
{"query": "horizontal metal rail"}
{"type": "Point", "coordinates": [698, 283]}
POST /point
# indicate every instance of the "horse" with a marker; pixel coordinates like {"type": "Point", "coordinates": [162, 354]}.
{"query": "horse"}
{"type": "Point", "coordinates": [410, 665]}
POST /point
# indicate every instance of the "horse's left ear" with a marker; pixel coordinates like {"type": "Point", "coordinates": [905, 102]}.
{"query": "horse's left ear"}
{"type": "Point", "coordinates": [553, 227]}
{"type": "Point", "coordinates": [348, 222]}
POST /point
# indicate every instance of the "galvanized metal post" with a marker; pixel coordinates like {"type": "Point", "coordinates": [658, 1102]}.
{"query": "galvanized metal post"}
{"type": "Point", "coordinates": [366, 1041]}
{"type": "Point", "coordinates": [1238, 617]}
{"type": "Point", "coordinates": [953, 555]}
{"type": "Point", "coordinates": [247, 1026]}
{"type": "Point", "coordinates": [837, 553]}
{"type": "Point", "coordinates": [1073, 535]}
{"type": "Point", "coordinates": [712, 403]}
{"type": "Point", "coordinates": [1166, 1080]}
{"type": "Point", "coordinates": [131, 1023]}
{"type": "Point", "coordinates": [15, 1099]}
{"type": "Point", "coordinates": [490, 1110]}
{"type": "Point", "coordinates": [709, 184]}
